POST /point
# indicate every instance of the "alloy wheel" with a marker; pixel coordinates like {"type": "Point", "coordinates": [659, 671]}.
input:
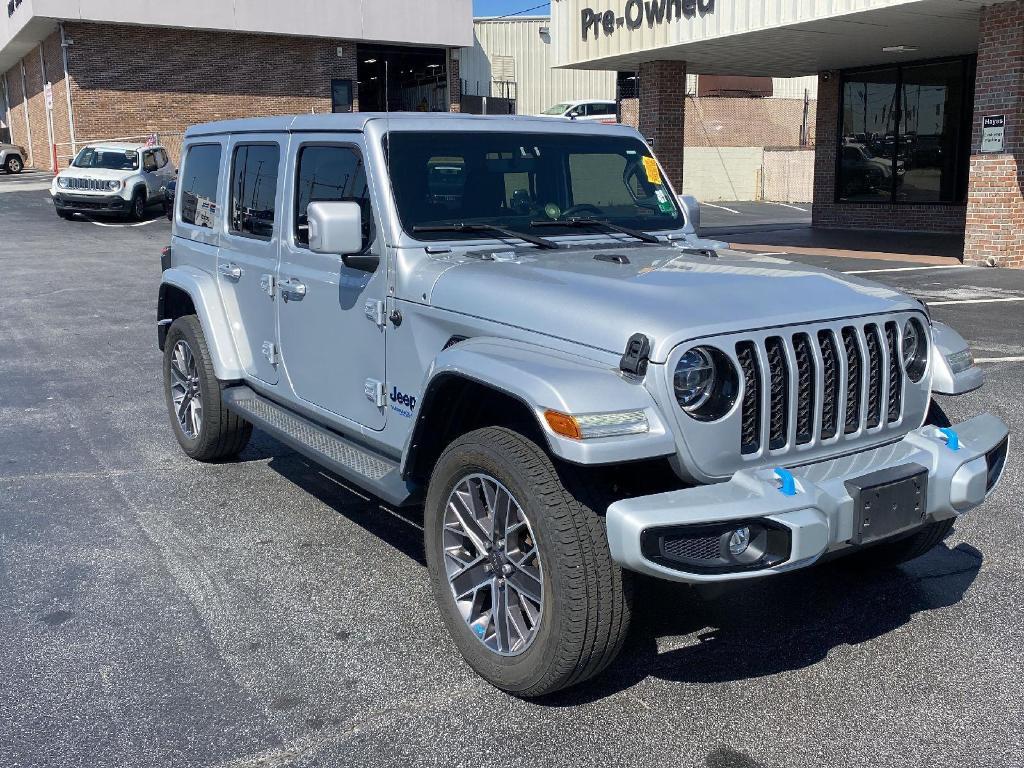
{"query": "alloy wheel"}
{"type": "Point", "coordinates": [14, 165]}
{"type": "Point", "coordinates": [185, 391]}
{"type": "Point", "coordinates": [493, 564]}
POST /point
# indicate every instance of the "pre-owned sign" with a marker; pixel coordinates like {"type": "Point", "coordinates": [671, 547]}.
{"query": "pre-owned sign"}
{"type": "Point", "coordinates": [993, 133]}
{"type": "Point", "coordinates": [637, 11]}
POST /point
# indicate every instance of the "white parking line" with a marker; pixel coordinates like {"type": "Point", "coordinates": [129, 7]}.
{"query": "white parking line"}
{"type": "Point", "coordinates": [973, 301]}
{"type": "Point", "coordinates": [902, 269]}
{"type": "Point", "coordinates": [794, 207]}
{"type": "Point", "coordinates": [121, 226]}
{"type": "Point", "coordinates": [721, 208]}
{"type": "Point", "coordinates": [999, 359]}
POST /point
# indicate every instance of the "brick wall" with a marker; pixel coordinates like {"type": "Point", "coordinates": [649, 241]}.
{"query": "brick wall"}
{"type": "Point", "coordinates": [662, 113]}
{"type": "Point", "coordinates": [132, 81]}
{"type": "Point", "coordinates": [19, 130]}
{"type": "Point", "coordinates": [995, 209]}
{"type": "Point", "coordinates": [41, 152]}
{"type": "Point", "coordinates": [826, 212]}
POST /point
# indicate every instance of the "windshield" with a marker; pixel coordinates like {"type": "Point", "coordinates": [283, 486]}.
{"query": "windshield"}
{"type": "Point", "coordinates": [514, 180]}
{"type": "Point", "coordinates": [110, 159]}
{"type": "Point", "coordinates": [558, 109]}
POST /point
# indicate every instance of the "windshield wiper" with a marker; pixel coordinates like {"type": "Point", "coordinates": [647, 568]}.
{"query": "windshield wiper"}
{"type": "Point", "coordinates": [540, 242]}
{"type": "Point", "coordinates": [647, 238]}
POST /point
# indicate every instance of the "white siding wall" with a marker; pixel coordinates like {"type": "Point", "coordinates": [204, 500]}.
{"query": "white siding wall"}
{"type": "Point", "coordinates": [538, 85]}
{"type": "Point", "coordinates": [793, 87]}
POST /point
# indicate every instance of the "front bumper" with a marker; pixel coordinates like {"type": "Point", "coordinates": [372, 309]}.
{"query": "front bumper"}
{"type": "Point", "coordinates": [820, 516]}
{"type": "Point", "coordinates": [71, 203]}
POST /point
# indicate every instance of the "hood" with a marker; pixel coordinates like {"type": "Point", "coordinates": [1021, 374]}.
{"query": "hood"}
{"type": "Point", "coordinates": [663, 292]}
{"type": "Point", "coordinates": [104, 174]}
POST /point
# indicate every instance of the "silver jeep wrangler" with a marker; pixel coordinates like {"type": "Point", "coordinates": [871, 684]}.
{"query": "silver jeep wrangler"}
{"type": "Point", "coordinates": [512, 323]}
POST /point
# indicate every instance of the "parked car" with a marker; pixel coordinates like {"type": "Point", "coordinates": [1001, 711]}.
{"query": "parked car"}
{"type": "Point", "coordinates": [12, 158]}
{"type": "Point", "coordinates": [113, 178]}
{"type": "Point", "coordinates": [864, 171]}
{"type": "Point", "coordinates": [599, 110]}
{"type": "Point", "coordinates": [169, 191]}
{"type": "Point", "coordinates": [574, 386]}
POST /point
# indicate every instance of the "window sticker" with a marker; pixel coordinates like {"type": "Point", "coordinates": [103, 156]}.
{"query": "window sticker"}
{"type": "Point", "coordinates": [651, 167]}
{"type": "Point", "coordinates": [663, 202]}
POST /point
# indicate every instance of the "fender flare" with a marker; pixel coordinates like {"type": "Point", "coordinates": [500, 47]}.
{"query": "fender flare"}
{"type": "Point", "coordinates": [203, 291]}
{"type": "Point", "coordinates": [946, 342]}
{"type": "Point", "coordinates": [543, 379]}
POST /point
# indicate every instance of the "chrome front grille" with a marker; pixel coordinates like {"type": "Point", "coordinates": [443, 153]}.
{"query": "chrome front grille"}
{"type": "Point", "coordinates": [810, 386]}
{"type": "Point", "coordinates": [89, 185]}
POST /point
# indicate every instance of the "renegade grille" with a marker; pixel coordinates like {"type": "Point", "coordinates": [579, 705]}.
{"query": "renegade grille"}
{"type": "Point", "coordinates": [836, 379]}
{"type": "Point", "coordinates": [93, 185]}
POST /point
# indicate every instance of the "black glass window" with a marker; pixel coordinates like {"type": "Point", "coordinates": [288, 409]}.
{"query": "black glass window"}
{"type": "Point", "coordinates": [198, 185]}
{"type": "Point", "coordinates": [341, 95]}
{"type": "Point", "coordinates": [254, 189]}
{"type": "Point", "coordinates": [331, 174]}
{"type": "Point", "coordinates": [903, 132]}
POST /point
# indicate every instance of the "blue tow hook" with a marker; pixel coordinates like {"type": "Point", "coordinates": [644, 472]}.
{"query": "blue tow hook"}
{"type": "Point", "coordinates": [952, 438]}
{"type": "Point", "coordinates": [788, 487]}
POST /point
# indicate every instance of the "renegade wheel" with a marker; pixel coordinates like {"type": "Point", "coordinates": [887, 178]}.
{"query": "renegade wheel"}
{"type": "Point", "coordinates": [137, 211]}
{"type": "Point", "coordinates": [13, 164]}
{"type": "Point", "coordinates": [205, 429]}
{"type": "Point", "coordinates": [890, 554]}
{"type": "Point", "coordinates": [520, 566]}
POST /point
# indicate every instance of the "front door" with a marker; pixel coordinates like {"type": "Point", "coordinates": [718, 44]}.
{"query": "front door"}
{"type": "Point", "coordinates": [331, 315]}
{"type": "Point", "coordinates": [247, 261]}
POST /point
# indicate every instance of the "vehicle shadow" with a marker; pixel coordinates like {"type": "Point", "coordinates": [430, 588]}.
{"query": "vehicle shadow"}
{"type": "Point", "coordinates": [400, 528]}
{"type": "Point", "coordinates": [773, 625]}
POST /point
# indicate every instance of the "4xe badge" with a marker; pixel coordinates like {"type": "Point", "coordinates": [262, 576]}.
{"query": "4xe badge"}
{"type": "Point", "coordinates": [401, 403]}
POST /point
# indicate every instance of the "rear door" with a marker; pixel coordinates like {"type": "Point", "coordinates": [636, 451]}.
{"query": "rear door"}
{"type": "Point", "coordinates": [332, 326]}
{"type": "Point", "coordinates": [248, 256]}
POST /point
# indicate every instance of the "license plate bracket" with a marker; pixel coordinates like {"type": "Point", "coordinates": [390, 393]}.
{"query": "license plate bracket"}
{"type": "Point", "coordinates": [888, 502]}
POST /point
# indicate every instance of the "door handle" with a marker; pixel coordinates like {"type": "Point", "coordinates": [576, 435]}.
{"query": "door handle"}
{"type": "Point", "coordinates": [293, 290]}
{"type": "Point", "coordinates": [230, 271]}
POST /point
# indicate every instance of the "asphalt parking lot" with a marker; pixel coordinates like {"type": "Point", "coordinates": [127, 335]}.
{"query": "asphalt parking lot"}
{"type": "Point", "coordinates": [159, 612]}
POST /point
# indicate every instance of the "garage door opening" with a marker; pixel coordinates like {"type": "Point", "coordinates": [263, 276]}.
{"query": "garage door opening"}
{"type": "Point", "coordinates": [397, 79]}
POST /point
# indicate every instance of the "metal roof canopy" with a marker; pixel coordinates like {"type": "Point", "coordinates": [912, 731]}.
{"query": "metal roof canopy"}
{"type": "Point", "coordinates": [851, 33]}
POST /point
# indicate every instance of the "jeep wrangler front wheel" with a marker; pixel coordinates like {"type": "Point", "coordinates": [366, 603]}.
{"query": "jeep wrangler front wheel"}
{"type": "Point", "coordinates": [206, 430]}
{"type": "Point", "coordinates": [520, 566]}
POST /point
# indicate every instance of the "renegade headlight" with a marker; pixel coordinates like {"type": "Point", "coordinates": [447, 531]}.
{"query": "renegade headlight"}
{"type": "Point", "coordinates": [705, 383]}
{"type": "Point", "coordinates": [62, 182]}
{"type": "Point", "coordinates": [113, 185]}
{"type": "Point", "coordinates": [915, 349]}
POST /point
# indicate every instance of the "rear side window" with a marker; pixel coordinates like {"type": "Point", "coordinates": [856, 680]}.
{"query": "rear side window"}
{"type": "Point", "coordinates": [149, 162]}
{"type": "Point", "coordinates": [331, 174]}
{"type": "Point", "coordinates": [197, 185]}
{"type": "Point", "coordinates": [254, 189]}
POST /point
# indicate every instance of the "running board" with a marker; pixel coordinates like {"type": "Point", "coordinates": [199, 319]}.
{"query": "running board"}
{"type": "Point", "coordinates": [361, 466]}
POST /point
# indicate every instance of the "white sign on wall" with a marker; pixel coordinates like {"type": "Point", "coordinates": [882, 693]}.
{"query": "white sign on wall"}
{"type": "Point", "coordinates": [48, 94]}
{"type": "Point", "coordinates": [993, 132]}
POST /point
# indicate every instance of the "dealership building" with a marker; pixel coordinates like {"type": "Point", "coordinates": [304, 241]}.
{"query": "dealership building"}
{"type": "Point", "coordinates": [920, 104]}
{"type": "Point", "coordinates": [73, 71]}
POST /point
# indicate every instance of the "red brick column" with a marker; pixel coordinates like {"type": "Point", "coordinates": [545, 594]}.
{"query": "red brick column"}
{"type": "Point", "coordinates": [663, 114]}
{"type": "Point", "coordinates": [995, 203]}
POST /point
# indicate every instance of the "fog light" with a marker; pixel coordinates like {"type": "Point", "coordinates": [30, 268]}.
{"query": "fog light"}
{"type": "Point", "coordinates": [739, 541]}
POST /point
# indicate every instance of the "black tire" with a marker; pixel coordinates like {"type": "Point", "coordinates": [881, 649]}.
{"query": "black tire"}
{"type": "Point", "coordinates": [586, 609]}
{"type": "Point", "coordinates": [14, 164]}
{"type": "Point", "coordinates": [891, 554]}
{"type": "Point", "coordinates": [137, 211]}
{"type": "Point", "coordinates": [222, 434]}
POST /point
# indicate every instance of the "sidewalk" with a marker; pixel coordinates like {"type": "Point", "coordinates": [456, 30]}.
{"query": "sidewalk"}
{"type": "Point", "coordinates": [914, 247]}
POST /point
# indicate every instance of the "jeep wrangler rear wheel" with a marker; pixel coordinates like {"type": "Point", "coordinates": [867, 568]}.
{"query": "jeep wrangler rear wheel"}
{"type": "Point", "coordinates": [520, 566]}
{"type": "Point", "coordinates": [206, 430]}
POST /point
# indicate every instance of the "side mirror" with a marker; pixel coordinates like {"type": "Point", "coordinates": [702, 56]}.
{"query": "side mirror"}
{"type": "Point", "coordinates": [71, 161]}
{"type": "Point", "coordinates": [336, 228]}
{"type": "Point", "coordinates": [692, 210]}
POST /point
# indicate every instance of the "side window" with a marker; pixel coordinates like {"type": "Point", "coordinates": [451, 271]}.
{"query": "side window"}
{"type": "Point", "coordinates": [149, 161]}
{"type": "Point", "coordinates": [254, 189]}
{"type": "Point", "coordinates": [327, 174]}
{"type": "Point", "coordinates": [198, 185]}
{"type": "Point", "coordinates": [161, 158]}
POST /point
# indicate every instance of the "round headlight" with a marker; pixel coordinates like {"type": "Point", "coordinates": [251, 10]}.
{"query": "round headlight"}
{"type": "Point", "coordinates": [694, 378]}
{"type": "Point", "coordinates": [113, 185]}
{"type": "Point", "coordinates": [915, 349]}
{"type": "Point", "coordinates": [62, 182]}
